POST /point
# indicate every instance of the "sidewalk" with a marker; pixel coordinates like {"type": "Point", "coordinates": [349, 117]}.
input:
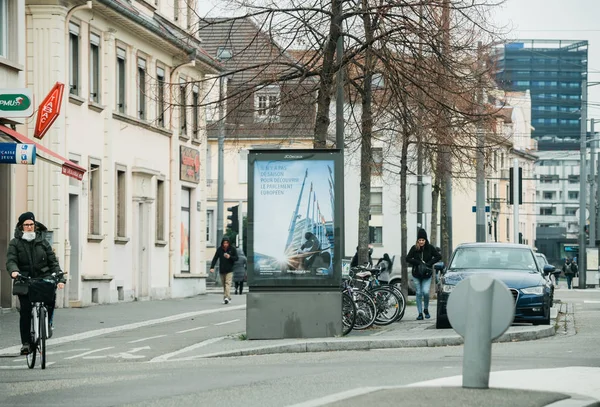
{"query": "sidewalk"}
{"type": "Point", "coordinates": [74, 324]}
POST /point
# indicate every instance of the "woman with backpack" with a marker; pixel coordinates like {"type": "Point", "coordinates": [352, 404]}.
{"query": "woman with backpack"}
{"type": "Point", "coordinates": [422, 256]}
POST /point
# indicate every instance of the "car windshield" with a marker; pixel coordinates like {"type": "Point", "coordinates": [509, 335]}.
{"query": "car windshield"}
{"type": "Point", "coordinates": [497, 258]}
{"type": "Point", "coordinates": [541, 260]}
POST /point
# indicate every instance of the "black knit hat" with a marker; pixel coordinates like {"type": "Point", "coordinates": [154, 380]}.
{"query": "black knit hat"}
{"type": "Point", "coordinates": [421, 234]}
{"type": "Point", "coordinates": [26, 216]}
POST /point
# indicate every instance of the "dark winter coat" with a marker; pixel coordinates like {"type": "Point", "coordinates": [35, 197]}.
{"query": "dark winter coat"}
{"type": "Point", "coordinates": [33, 259]}
{"type": "Point", "coordinates": [225, 265]}
{"type": "Point", "coordinates": [239, 267]}
{"type": "Point", "coordinates": [428, 254]}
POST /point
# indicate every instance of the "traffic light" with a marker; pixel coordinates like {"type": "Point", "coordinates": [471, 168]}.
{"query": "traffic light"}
{"type": "Point", "coordinates": [233, 219]}
{"type": "Point", "coordinates": [511, 199]}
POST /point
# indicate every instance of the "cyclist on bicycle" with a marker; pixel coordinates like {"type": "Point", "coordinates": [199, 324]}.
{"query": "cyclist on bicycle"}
{"type": "Point", "coordinates": [30, 254]}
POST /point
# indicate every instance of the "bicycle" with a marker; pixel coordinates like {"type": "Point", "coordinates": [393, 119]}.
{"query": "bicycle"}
{"type": "Point", "coordinates": [390, 302]}
{"type": "Point", "coordinates": [41, 291]}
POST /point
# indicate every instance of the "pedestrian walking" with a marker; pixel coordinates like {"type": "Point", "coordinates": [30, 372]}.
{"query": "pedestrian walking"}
{"type": "Point", "coordinates": [31, 255]}
{"type": "Point", "coordinates": [239, 272]}
{"type": "Point", "coordinates": [570, 270]}
{"type": "Point", "coordinates": [422, 256]}
{"type": "Point", "coordinates": [354, 261]}
{"type": "Point", "coordinates": [226, 255]}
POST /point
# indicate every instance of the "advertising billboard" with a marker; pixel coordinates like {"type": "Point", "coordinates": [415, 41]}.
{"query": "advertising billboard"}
{"type": "Point", "coordinates": [294, 215]}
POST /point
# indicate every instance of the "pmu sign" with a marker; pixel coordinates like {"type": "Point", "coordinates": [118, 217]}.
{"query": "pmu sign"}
{"type": "Point", "coordinates": [49, 110]}
{"type": "Point", "coordinates": [16, 103]}
{"type": "Point", "coordinates": [11, 153]}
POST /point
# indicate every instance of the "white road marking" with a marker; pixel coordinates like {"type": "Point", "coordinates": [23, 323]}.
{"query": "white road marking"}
{"type": "Point", "coordinates": [24, 366]}
{"type": "Point", "coordinates": [56, 352]}
{"type": "Point", "coordinates": [122, 355]}
{"type": "Point", "coordinates": [190, 330]}
{"type": "Point", "coordinates": [88, 353]}
{"type": "Point", "coordinates": [591, 302]}
{"type": "Point", "coordinates": [147, 339]}
{"type": "Point", "coordinates": [165, 357]}
{"type": "Point", "coordinates": [227, 322]}
{"type": "Point", "coordinates": [127, 327]}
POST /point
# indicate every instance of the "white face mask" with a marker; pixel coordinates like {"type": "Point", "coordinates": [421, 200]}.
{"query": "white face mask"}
{"type": "Point", "coordinates": [29, 236]}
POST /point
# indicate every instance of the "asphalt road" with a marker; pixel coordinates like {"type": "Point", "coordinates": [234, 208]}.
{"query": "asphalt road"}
{"type": "Point", "coordinates": [143, 366]}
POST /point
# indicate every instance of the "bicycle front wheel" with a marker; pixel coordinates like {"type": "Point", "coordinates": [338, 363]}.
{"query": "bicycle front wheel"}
{"type": "Point", "coordinates": [31, 356]}
{"type": "Point", "coordinates": [42, 331]}
{"type": "Point", "coordinates": [348, 313]}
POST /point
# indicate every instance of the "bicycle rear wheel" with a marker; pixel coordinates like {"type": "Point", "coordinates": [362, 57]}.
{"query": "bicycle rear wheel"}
{"type": "Point", "coordinates": [387, 305]}
{"type": "Point", "coordinates": [32, 347]}
{"type": "Point", "coordinates": [42, 345]}
{"type": "Point", "coordinates": [348, 313]}
{"type": "Point", "coordinates": [366, 311]}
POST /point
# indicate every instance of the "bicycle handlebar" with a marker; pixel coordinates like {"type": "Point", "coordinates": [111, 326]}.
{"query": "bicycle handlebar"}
{"type": "Point", "coordinates": [54, 276]}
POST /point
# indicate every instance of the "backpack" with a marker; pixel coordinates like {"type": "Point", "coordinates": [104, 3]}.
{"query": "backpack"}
{"type": "Point", "coordinates": [569, 269]}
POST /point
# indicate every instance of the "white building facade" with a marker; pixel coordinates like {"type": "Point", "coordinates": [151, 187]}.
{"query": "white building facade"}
{"type": "Point", "coordinates": [134, 226]}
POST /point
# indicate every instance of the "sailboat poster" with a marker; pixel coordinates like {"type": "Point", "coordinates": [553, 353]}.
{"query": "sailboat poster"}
{"type": "Point", "coordinates": [293, 218]}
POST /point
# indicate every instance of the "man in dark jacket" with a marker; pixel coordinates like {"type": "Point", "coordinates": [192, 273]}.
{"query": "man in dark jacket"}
{"type": "Point", "coordinates": [227, 256]}
{"type": "Point", "coordinates": [30, 254]}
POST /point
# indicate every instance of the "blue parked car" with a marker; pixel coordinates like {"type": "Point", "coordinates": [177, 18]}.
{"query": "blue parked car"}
{"type": "Point", "coordinates": [513, 264]}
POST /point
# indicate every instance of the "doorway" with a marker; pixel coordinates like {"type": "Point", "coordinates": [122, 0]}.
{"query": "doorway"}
{"type": "Point", "coordinates": [75, 279]}
{"type": "Point", "coordinates": [143, 273]}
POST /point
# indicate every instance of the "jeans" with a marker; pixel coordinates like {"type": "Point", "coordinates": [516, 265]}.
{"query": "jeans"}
{"type": "Point", "coordinates": [569, 281]}
{"type": "Point", "coordinates": [422, 289]}
{"type": "Point", "coordinates": [25, 317]}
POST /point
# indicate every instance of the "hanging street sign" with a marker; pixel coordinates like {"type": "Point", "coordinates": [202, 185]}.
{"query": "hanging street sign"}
{"type": "Point", "coordinates": [16, 103]}
{"type": "Point", "coordinates": [49, 110]}
{"type": "Point", "coordinates": [14, 153]}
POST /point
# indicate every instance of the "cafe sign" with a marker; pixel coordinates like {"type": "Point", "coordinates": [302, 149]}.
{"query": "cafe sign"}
{"type": "Point", "coordinates": [189, 165]}
{"type": "Point", "coordinates": [16, 103]}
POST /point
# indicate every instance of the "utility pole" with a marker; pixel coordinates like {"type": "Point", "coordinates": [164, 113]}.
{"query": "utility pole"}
{"type": "Point", "coordinates": [592, 205]}
{"type": "Point", "coordinates": [420, 148]}
{"type": "Point", "coordinates": [480, 176]}
{"type": "Point", "coordinates": [447, 155]}
{"type": "Point", "coordinates": [220, 175]}
{"type": "Point", "coordinates": [339, 127]}
{"type": "Point", "coordinates": [516, 195]}
{"type": "Point", "coordinates": [582, 187]}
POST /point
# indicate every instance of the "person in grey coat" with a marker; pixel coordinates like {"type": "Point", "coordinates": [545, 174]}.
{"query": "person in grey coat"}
{"type": "Point", "coordinates": [239, 271]}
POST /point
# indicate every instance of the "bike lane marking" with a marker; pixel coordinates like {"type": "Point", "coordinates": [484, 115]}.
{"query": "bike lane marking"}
{"type": "Point", "coordinates": [127, 327]}
{"type": "Point", "coordinates": [190, 330]}
{"type": "Point", "coordinates": [226, 322]}
{"type": "Point", "coordinates": [89, 353]}
{"type": "Point", "coordinates": [166, 356]}
{"type": "Point", "coordinates": [147, 339]}
{"type": "Point", "coordinates": [22, 367]}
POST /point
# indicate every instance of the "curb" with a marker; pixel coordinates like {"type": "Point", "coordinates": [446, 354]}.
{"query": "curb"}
{"type": "Point", "coordinates": [331, 345]}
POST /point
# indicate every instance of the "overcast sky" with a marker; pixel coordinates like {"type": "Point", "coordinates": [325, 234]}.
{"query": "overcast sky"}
{"type": "Point", "coordinates": [559, 19]}
{"type": "Point", "coordinates": [528, 19]}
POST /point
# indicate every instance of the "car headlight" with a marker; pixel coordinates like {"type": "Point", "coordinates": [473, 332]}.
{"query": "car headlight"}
{"type": "Point", "coordinates": [447, 288]}
{"type": "Point", "coordinates": [539, 290]}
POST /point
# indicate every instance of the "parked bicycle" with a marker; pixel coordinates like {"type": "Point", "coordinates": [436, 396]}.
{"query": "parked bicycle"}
{"type": "Point", "coordinates": [41, 292]}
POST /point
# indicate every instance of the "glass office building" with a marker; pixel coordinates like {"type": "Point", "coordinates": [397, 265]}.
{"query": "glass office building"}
{"type": "Point", "coordinates": [555, 72]}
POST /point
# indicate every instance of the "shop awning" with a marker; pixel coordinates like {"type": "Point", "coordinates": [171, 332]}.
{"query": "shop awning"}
{"type": "Point", "coordinates": [69, 168]}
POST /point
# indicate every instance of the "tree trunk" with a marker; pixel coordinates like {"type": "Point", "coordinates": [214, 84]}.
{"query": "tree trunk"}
{"type": "Point", "coordinates": [366, 150]}
{"type": "Point", "coordinates": [403, 210]}
{"type": "Point", "coordinates": [324, 93]}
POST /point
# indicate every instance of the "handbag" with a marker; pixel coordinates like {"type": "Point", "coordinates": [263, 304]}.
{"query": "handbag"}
{"type": "Point", "coordinates": [422, 271]}
{"type": "Point", "coordinates": [20, 289]}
